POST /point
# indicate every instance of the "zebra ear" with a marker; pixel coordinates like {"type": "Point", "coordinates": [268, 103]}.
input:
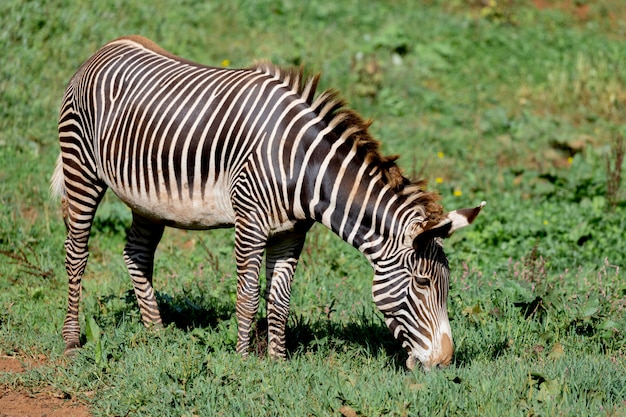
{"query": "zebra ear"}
{"type": "Point", "coordinates": [432, 230]}
{"type": "Point", "coordinates": [455, 220]}
{"type": "Point", "coordinates": [464, 217]}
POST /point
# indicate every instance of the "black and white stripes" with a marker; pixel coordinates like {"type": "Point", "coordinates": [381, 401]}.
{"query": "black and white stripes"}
{"type": "Point", "coordinates": [198, 147]}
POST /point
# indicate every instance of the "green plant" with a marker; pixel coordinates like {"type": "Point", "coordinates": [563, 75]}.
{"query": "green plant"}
{"type": "Point", "coordinates": [614, 168]}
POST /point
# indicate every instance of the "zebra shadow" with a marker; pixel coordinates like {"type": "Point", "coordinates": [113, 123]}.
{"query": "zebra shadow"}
{"type": "Point", "coordinates": [366, 334]}
{"type": "Point", "coordinates": [180, 310]}
{"type": "Point", "coordinates": [187, 313]}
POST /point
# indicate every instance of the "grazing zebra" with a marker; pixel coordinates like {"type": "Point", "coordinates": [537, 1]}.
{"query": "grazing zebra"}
{"type": "Point", "coordinates": [196, 147]}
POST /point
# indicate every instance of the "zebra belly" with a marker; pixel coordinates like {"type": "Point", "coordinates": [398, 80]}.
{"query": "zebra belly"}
{"type": "Point", "coordinates": [214, 210]}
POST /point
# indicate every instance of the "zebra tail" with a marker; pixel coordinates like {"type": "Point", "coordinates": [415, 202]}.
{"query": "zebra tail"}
{"type": "Point", "coordinates": [57, 188]}
{"type": "Point", "coordinates": [57, 181]}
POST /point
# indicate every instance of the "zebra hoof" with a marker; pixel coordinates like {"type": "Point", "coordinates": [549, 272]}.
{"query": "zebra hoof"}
{"type": "Point", "coordinates": [154, 327]}
{"type": "Point", "coordinates": [71, 349]}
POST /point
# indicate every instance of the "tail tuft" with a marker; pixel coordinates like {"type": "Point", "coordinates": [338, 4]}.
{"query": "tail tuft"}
{"type": "Point", "coordinates": [57, 189]}
{"type": "Point", "coordinates": [57, 181]}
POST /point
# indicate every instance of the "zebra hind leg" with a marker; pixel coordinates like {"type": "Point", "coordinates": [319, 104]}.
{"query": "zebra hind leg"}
{"type": "Point", "coordinates": [78, 210]}
{"type": "Point", "coordinates": [142, 241]}
{"type": "Point", "coordinates": [282, 253]}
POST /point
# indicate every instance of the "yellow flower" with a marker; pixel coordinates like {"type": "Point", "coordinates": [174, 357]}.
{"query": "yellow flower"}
{"type": "Point", "coordinates": [438, 180]}
{"type": "Point", "coordinates": [440, 155]}
{"type": "Point", "coordinates": [458, 193]}
{"type": "Point", "coordinates": [570, 160]}
{"type": "Point", "coordinates": [545, 222]}
{"type": "Point", "coordinates": [225, 63]}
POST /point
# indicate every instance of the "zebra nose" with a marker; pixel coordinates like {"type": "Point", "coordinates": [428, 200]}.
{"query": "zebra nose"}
{"type": "Point", "coordinates": [444, 355]}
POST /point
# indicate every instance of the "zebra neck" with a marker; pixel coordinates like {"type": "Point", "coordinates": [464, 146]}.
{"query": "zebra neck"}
{"type": "Point", "coordinates": [365, 215]}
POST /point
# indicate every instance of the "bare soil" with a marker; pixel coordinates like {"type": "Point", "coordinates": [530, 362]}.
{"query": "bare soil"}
{"type": "Point", "coordinates": [45, 402]}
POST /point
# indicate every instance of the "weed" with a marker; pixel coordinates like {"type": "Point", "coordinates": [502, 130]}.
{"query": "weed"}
{"type": "Point", "coordinates": [614, 168]}
{"type": "Point", "coordinates": [21, 259]}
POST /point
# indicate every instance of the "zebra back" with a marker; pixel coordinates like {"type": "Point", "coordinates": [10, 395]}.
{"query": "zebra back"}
{"type": "Point", "coordinates": [166, 133]}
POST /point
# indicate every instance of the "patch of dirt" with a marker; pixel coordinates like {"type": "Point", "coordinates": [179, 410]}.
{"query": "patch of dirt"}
{"type": "Point", "coordinates": [580, 10]}
{"type": "Point", "coordinates": [10, 364]}
{"type": "Point", "coordinates": [607, 12]}
{"type": "Point", "coordinates": [45, 403]}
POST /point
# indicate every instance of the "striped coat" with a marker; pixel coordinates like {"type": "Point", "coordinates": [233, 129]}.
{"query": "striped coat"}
{"type": "Point", "coordinates": [197, 147]}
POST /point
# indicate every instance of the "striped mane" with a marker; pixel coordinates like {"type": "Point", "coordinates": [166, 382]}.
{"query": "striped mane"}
{"type": "Point", "coordinates": [332, 109]}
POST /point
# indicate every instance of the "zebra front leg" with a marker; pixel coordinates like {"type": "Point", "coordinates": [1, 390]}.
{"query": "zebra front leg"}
{"type": "Point", "coordinates": [142, 241]}
{"type": "Point", "coordinates": [249, 246]}
{"type": "Point", "coordinates": [282, 253]}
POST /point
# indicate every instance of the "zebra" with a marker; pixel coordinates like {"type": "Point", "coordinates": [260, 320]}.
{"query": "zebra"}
{"type": "Point", "coordinates": [197, 147]}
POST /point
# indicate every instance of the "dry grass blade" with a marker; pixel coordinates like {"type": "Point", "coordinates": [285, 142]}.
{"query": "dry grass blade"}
{"type": "Point", "coordinates": [614, 160]}
{"type": "Point", "coordinates": [20, 258]}
{"type": "Point", "coordinates": [347, 411]}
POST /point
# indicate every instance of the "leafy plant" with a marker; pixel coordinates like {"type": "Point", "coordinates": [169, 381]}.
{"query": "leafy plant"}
{"type": "Point", "coordinates": [92, 331]}
{"type": "Point", "coordinates": [614, 167]}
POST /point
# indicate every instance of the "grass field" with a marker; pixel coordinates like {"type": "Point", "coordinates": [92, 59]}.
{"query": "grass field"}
{"type": "Point", "coordinates": [520, 103]}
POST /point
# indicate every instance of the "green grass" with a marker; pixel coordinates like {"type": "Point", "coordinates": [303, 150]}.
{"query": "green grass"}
{"type": "Point", "coordinates": [504, 103]}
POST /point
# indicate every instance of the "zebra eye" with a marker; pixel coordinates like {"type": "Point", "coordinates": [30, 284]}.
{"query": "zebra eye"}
{"type": "Point", "coordinates": [422, 281]}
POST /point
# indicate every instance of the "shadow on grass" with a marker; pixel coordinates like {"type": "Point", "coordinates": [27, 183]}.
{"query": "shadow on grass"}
{"type": "Point", "coordinates": [366, 334]}
{"type": "Point", "coordinates": [182, 311]}
{"type": "Point", "coordinates": [188, 313]}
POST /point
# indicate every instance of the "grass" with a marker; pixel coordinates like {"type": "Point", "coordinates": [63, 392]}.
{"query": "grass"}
{"type": "Point", "coordinates": [506, 102]}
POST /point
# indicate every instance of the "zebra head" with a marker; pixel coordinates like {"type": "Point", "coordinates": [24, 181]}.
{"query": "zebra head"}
{"type": "Point", "coordinates": [412, 290]}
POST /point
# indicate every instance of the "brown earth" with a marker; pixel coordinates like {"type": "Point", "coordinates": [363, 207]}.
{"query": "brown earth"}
{"type": "Point", "coordinates": [610, 13]}
{"type": "Point", "coordinates": [580, 10]}
{"type": "Point", "coordinates": [44, 402]}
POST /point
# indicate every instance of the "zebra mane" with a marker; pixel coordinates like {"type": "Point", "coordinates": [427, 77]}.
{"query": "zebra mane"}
{"type": "Point", "coordinates": [349, 124]}
{"type": "Point", "coordinates": [293, 77]}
